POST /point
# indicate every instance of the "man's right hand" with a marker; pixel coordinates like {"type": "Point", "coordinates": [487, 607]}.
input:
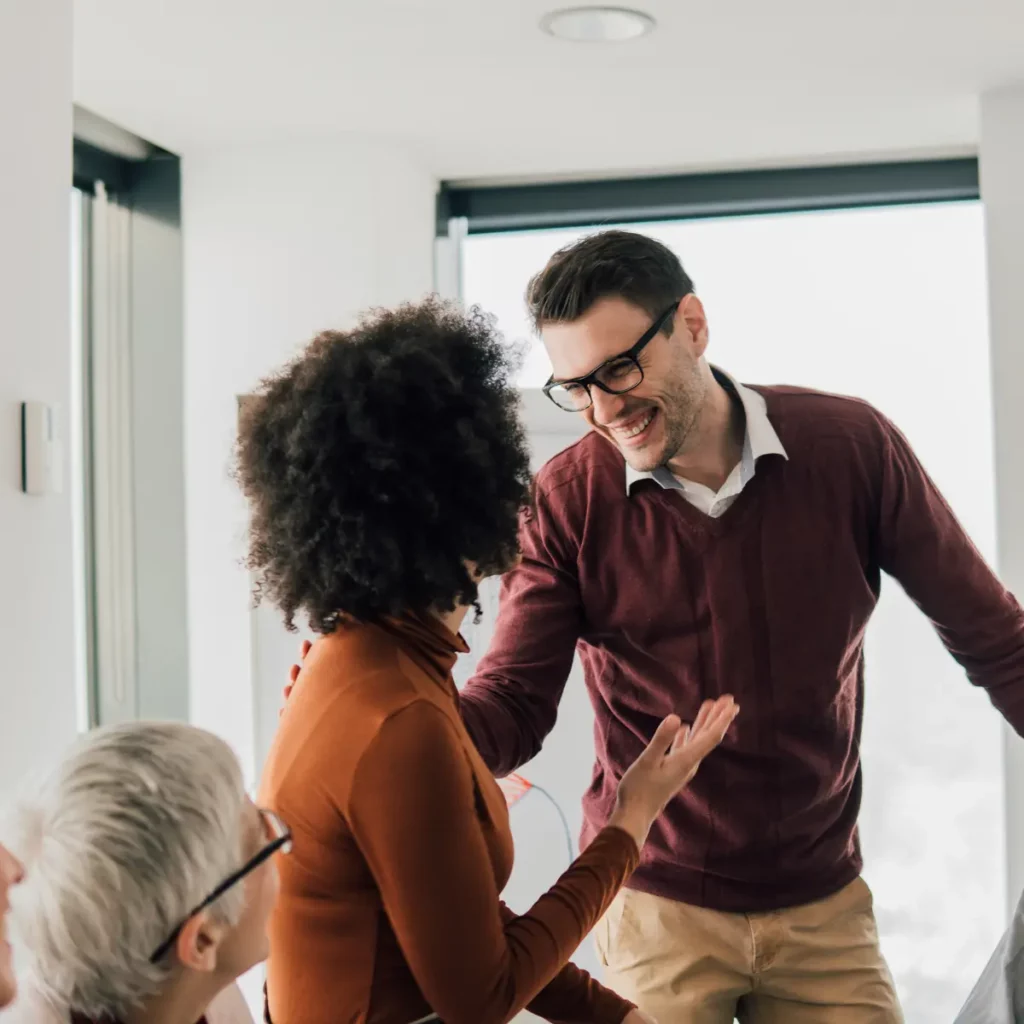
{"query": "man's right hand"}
{"type": "Point", "coordinates": [667, 765]}
{"type": "Point", "coordinates": [293, 672]}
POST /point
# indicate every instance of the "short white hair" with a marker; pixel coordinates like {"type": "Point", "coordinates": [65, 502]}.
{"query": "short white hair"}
{"type": "Point", "coordinates": [129, 834]}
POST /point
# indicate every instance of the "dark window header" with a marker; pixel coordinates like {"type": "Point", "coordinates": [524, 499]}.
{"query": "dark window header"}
{"type": "Point", "coordinates": [691, 196]}
{"type": "Point", "coordinates": [92, 165]}
{"type": "Point", "coordinates": [103, 151]}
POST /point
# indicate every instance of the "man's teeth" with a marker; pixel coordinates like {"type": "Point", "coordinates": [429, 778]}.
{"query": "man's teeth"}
{"type": "Point", "coordinates": [640, 427]}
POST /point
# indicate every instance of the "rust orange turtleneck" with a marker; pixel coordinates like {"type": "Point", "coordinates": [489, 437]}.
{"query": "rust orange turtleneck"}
{"type": "Point", "coordinates": [389, 906]}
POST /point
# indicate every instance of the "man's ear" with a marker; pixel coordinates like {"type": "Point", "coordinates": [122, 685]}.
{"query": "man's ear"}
{"type": "Point", "coordinates": [199, 942]}
{"type": "Point", "coordinates": [691, 310]}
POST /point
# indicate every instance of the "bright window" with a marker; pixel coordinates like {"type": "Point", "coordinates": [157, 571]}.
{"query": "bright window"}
{"type": "Point", "coordinates": [889, 305]}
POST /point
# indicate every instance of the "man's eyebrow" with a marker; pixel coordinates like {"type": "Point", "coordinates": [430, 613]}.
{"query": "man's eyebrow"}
{"type": "Point", "coordinates": [569, 380]}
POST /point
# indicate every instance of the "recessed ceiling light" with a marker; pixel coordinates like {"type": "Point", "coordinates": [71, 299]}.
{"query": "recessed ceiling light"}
{"type": "Point", "coordinates": [598, 24]}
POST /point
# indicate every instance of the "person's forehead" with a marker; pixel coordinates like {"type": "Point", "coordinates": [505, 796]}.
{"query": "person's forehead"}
{"type": "Point", "coordinates": [609, 327]}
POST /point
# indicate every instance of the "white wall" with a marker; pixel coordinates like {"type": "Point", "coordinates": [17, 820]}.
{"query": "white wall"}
{"type": "Point", "coordinates": [279, 242]}
{"type": "Point", "coordinates": [1002, 172]}
{"type": "Point", "coordinates": [37, 646]}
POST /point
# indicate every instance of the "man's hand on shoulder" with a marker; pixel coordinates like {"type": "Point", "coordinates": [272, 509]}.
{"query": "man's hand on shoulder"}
{"type": "Point", "coordinates": [293, 672]}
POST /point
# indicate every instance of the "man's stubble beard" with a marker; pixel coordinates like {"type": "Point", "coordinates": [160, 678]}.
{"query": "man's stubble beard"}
{"type": "Point", "coordinates": [681, 409]}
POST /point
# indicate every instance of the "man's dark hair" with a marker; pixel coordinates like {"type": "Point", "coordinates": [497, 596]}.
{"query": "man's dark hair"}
{"type": "Point", "coordinates": [610, 264]}
{"type": "Point", "coordinates": [381, 461]}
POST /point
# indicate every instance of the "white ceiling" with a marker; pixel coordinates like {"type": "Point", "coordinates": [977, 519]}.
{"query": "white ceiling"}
{"type": "Point", "coordinates": [475, 90]}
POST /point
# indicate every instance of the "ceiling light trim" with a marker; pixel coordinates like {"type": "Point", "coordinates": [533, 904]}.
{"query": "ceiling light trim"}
{"type": "Point", "coordinates": [598, 24]}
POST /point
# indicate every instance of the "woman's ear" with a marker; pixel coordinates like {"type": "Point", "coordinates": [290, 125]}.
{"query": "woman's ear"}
{"type": "Point", "coordinates": [199, 942]}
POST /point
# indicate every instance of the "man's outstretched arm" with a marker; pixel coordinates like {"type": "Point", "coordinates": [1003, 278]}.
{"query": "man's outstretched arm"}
{"type": "Point", "coordinates": [922, 545]}
{"type": "Point", "coordinates": [511, 703]}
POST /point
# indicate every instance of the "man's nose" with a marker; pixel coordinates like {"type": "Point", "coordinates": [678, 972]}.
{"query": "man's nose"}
{"type": "Point", "coordinates": [607, 408]}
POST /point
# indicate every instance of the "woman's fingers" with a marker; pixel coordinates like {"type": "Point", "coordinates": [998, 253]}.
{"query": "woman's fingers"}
{"type": "Point", "coordinates": [714, 720]}
{"type": "Point", "coordinates": [713, 728]}
{"type": "Point", "coordinates": [702, 716]}
{"type": "Point", "coordinates": [682, 738]}
{"type": "Point", "coordinates": [663, 738]}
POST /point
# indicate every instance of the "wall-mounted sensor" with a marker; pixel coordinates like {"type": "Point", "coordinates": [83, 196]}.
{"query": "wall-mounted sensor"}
{"type": "Point", "coordinates": [41, 463]}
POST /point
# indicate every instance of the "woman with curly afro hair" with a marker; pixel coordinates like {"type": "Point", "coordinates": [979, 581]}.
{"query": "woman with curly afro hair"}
{"type": "Point", "coordinates": [386, 470]}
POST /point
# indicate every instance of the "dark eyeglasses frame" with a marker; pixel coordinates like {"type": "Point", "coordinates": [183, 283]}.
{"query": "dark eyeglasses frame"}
{"type": "Point", "coordinates": [632, 354]}
{"type": "Point", "coordinates": [281, 842]}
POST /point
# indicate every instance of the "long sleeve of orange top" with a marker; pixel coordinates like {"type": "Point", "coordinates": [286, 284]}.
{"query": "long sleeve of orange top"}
{"type": "Point", "coordinates": [575, 997]}
{"type": "Point", "coordinates": [412, 810]}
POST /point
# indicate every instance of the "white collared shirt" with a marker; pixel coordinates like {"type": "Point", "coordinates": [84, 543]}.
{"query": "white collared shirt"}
{"type": "Point", "coordinates": [759, 439]}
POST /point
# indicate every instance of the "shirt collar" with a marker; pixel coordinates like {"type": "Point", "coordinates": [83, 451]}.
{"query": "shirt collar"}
{"type": "Point", "coordinates": [759, 438]}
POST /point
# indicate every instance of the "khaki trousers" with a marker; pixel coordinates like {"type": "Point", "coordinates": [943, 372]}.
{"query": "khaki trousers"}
{"type": "Point", "coordinates": [816, 964]}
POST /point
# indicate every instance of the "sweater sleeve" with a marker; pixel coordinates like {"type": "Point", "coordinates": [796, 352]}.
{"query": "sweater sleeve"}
{"type": "Point", "coordinates": [574, 997]}
{"type": "Point", "coordinates": [511, 703]}
{"type": "Point", "coordinates": [412, 810]}
{"type": "Point", "coordinates": [924, 547]}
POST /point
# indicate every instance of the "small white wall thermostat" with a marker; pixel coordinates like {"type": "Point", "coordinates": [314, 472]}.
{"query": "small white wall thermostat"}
{"type": "Point", "coordinates": [41, 462]}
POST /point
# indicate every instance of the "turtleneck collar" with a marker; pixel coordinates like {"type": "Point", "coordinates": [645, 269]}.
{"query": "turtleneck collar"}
{"type": "Point", "coordinates": [427, 639]}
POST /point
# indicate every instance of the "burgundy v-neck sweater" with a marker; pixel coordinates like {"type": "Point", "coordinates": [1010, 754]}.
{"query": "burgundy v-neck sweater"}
{"type": "Point", "coordinates": [769, 603]}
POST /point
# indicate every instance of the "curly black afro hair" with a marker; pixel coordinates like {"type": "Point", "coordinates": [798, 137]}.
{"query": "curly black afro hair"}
{"type": "Point", "coordinates": [382, 461]}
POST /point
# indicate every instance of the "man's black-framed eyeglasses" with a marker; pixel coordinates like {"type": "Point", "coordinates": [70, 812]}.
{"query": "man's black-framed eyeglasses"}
{"type": "Point", "coordinates": [614, 376]}
{"type": "Point", "coordinates": [279, 840]}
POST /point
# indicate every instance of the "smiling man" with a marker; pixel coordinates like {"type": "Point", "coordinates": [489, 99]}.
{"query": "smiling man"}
{"type": "Point", "coordinates": [708, 538]}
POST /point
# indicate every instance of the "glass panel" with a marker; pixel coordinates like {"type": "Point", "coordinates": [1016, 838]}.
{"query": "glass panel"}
{"type": "Point", "coordinates": [889, 305]}
{"type": "Point", "coordinates": [77, 434]}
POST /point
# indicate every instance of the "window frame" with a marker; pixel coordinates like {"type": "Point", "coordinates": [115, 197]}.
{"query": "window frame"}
{"type": "Point", "coordinates": [481, 208]}
{"type": "Point", "coordinates": [145, 180]}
